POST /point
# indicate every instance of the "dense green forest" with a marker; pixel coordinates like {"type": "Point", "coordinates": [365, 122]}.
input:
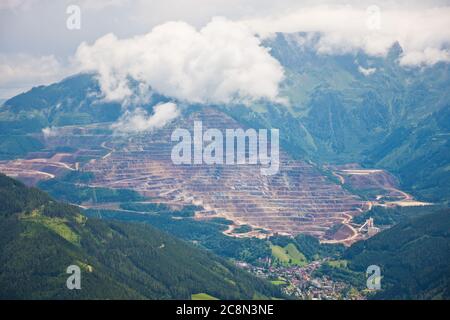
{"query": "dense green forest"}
{"type": "Point", "coordinates": [310, 246]}
{"type": "Point", "coordinates": [413, 256]}
{"type": "Point", "coordinates": [389, 216]}
{"type": "Point", "coordinates": [40, 238]}
{"type": "Point", "coordinates": [70, 192]}
{"type": "Point", "coordinates": [207, 234]}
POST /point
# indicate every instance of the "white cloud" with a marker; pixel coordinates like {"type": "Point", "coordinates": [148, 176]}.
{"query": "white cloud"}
{"type": "Point", "coordinates": [101, 4]}
{"type": "Point", "coordinates": [50, 132]}
{"type": "Point", "coordinates": [221, 63]}
{"type": "Point", "coordinates": [17, 4]}
{"type": "Point", "coordinates": [21, 72]}
{"type": "Point", "coordinates": [38, 30]}
{"type": "Point", "coordinates": [139, 120]}
{"type": "Point", "coordinates": [423, 33]}
{"type": "Point", "coordinates": [18, 67]}
{"type": "Point", "coordinates": [366, 71]}
{"type": "Point", "coordinates": [428, 56]}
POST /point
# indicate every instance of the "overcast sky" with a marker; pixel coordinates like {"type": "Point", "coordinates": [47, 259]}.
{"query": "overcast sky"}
{"type": "Point", "coordinates": [36, 47]}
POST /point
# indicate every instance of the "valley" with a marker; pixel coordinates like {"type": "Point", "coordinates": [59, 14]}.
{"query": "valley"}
{"type": "Point", "coordinates": [305, 282]}
{"type": "Point", "coordinates": [41, 237]}
{"type": "Point", "coordinates": [179, 151]}
{"type": "Point", "coordinates": [302, 198]}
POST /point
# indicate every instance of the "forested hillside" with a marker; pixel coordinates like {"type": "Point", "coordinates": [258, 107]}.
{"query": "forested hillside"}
{"type": "Point", "coordinates": [40, 238]}
{"type": "Point", "coordinates": [413, 256]}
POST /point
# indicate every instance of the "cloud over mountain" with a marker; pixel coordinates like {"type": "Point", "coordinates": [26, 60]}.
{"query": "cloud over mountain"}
{"type": "Point", "coordinates": [423, 33]}
{"type": "Point", "coordinates": [223, 62]}
{"type": "Point", "coordinates": [17, 70]}
{"type": "Point", "coordinates": [139, 120]}
{"type": "Point", "coordinates": [37, 31]}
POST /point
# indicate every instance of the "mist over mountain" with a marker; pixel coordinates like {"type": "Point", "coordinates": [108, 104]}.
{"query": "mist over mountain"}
{"type": "Point", "coordinates": [342, 108]}
{"type": "Point", "coordinates": [339, 113]}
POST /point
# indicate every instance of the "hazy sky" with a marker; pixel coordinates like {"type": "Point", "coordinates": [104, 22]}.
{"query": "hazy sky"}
{"type": "Point", "coordinates": [36, 47]}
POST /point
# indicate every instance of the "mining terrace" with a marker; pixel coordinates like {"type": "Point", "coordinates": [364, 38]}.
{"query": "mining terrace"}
{"type": "Point", "coordinates": [299, 199]}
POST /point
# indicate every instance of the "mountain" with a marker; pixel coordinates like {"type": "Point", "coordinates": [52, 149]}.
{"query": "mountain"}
{"type": "Point", "coordinates": [413, 257]}
{"type": "Point", "coordinates": [343, 108]}
{"type": "Point", "coordinates": [40, 238]}
{"type": "Point", "coordinates": [393, 117]}
{"type": "Point", "coordinates": [72, 101]}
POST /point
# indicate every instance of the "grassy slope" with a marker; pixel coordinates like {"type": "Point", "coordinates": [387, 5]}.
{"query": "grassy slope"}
{"type": "Point", "coordinates": [288, 255]}
{"type": "Point", "coordinates": [202, 296]}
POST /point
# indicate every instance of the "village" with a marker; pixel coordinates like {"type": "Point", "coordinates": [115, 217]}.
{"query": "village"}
{"type": "Point", "coordinates": [302, 283]}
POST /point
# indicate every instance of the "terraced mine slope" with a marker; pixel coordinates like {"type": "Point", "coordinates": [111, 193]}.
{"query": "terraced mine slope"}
{"type": "Point", "coordinates": [299, 199]}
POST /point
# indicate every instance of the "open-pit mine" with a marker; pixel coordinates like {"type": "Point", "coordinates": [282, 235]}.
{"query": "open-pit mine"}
{"type": "Point", "coordinates": [300, 198]}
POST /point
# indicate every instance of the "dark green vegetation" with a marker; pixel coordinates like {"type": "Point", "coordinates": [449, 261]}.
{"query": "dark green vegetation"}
{"type": "Point", "coordinates": [243, 229]}
{"type": "Point", "coordinates": [207, 234]}
{"type": "Point", "coordinates": [70, 192]}
{"type": "Point", "coordinates": [309, 246]}
{"type": "Point", "coordinates": [288, 255]}
{"type": "Point", "coordinates": [341, 272]}
{"type": "Point", "coordinates": [69, 102]}
{"type": "Point", "coordinates": [388, 216]}
{"type": "Point", "coordinates": [413, 255]}
{"type": "Point", "coordinates": [66, 103]}
{"type": "Point", "coordinates": [12, 146]}
{"type": "Point", "coordinates": [40, 238]}
{"type": "Point", "coordinates": [179, 223]}
{"type": "Point", "coordinates": [156, 208]}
